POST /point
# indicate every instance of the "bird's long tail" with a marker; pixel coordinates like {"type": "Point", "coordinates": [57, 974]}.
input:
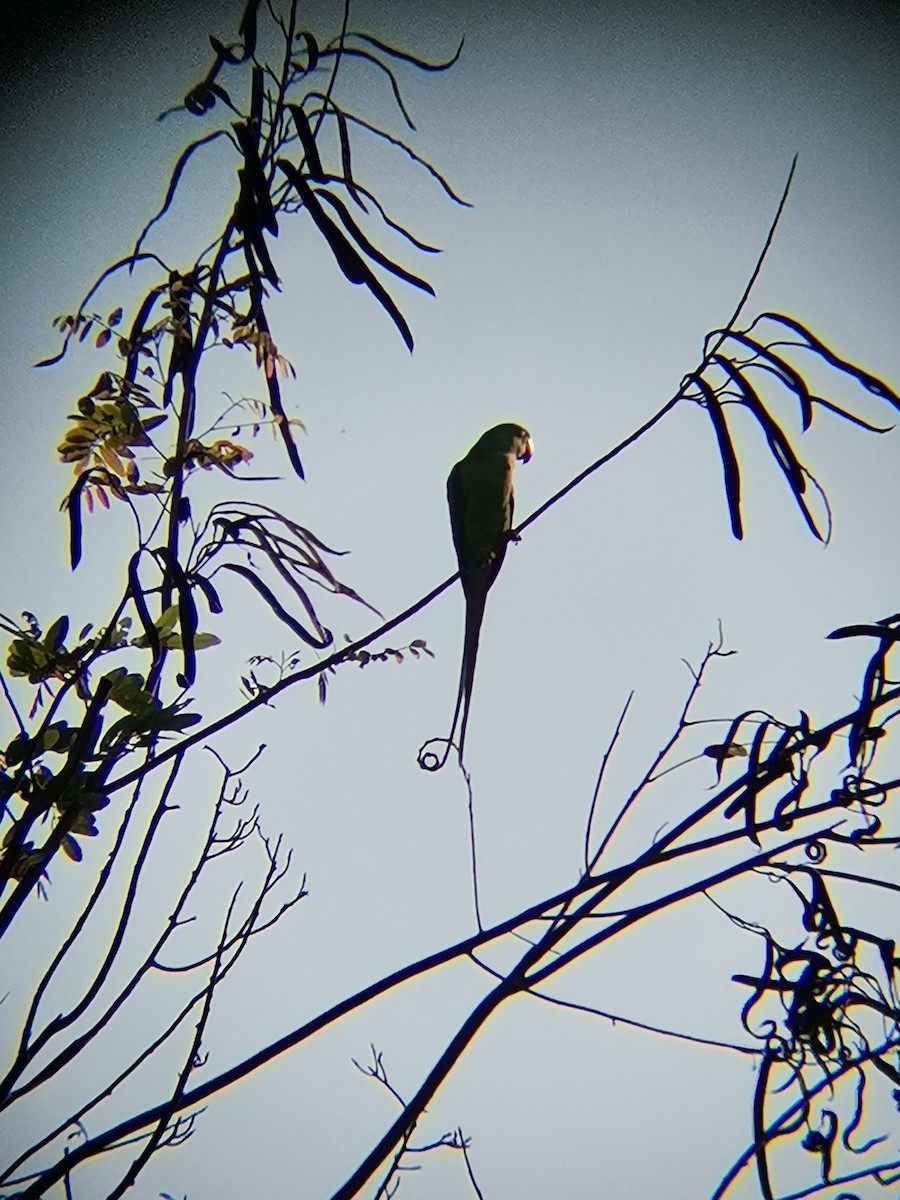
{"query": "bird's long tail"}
{"type": "Point", "coordinates": [429, 759]}
{"type": "Point", "coordinates": [474, 616]}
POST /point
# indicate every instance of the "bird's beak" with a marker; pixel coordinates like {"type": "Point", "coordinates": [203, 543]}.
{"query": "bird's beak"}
{"type": "Point", "coordinates": [527, 450]}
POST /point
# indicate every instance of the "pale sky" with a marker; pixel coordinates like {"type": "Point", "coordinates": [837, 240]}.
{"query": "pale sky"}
{"type": "Point", "coordinates": [624, 163]}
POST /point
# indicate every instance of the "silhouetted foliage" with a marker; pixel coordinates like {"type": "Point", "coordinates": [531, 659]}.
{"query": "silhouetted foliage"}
{"type": "Point", "coordinates": [111, 719]}
{"type": "Point", "coordinates": [104, 702]}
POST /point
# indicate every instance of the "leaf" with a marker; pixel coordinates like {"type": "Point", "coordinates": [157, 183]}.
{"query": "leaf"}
{"type": "Point", "coordinates": [56, 634]}
{"type": "Point", "coordinates": [181, 721]}
{"type": "Point", "coordinates": [255, 244]}
{"type": "Point", "coordinates": [137, 595]}
{"type": "Point", "coordinates": [404, 56]}
{"type": "Point", "coordinates": [85, 825]}
{"type": "Point", "coordinates": [879, 631]}
{"type": "Point", "coordinates": [355, 52]}
{"type": "Point", "coordinates": [173, 183]}
{"type": "Point", "coordinates": [202, 97]}
{"type": "Point", "coordinates": [312, 50]}
{"type": "Point", "coordinates": [348, 257]}
{"type": "Point", "coordinates": [372, 251]}
{"type": "Point", "coordinates": [788, 807]}
{"type": "Point", "coordinates": [167, 620]}
{"type": "Point", "coordinates": [209, 592]}
{"type": "Point", "coordinates": [257, 93]}
{"type": "Point", "coordinates": [417, 158]}
{"type": "Point", "coordinates": [144, 489]}
{"type": "Point", "coordinates": [781, 448]}
{"type": "Point", "coordinates": [871, 383]}
{"type": "Point", "coordinates": [102, 338]}
{"type": "Point", "coordinates": [730, 470]}
{"type": "Point", "coordinates": [187, 612]}
{"type": "Point", "coordinates": [114, 318]}
{"type": "Point", "coordinates": [17, 749]}
{"type": "Point", "coordinates": [54, 358]}
{"type": "Point", "coordinates": [58, 737]}
{"type": "Point", "coordinates": [346, 160]}
{"type": "Point", "coordinates": [278, 609]}
{"type": "Point", "coordinates": [71, 849]}
{"type": "Point", "coordinates": [111, 459]}
{"type": "Point", "coordinates": [264, 213]}
{"type": "Point", "coordinates": [747, 799]}
{"type": "Point", "coordinates": [72, 504]}
{"type": "Point", "coordinates": [127, 690]}
{"type": "Point", "coordinates": [308, 142]}
{"type": "Point", "coordinates": [791, 378]}
{"type": "Point", "coordinates": [774, 434]}
{"type": "Point", "coordinates": [852, 417]}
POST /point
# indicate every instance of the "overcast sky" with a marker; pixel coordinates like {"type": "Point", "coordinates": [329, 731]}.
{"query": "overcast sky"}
{"type": "Point", "coordinates": [624, 163]}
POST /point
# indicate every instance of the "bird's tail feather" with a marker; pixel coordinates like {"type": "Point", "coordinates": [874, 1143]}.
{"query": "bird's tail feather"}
{"type": "Point", "coordinates": [474, 616]}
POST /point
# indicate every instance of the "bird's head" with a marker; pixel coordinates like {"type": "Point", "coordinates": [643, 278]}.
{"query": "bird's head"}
{"type": "Point", "coordinates": [509, 438]}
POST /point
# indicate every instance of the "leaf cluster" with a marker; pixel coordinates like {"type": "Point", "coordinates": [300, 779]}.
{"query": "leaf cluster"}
{"type": "Point", "coordinates": [739, 368]}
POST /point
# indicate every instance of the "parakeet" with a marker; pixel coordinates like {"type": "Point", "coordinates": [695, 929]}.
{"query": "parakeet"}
{"type": "Point", "coordinates": [480, 496]}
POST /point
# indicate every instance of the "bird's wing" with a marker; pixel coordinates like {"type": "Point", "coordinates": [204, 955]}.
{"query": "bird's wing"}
{"type": "Point", "coordinates": [456, 505]}
{"type": "Point", "coordinates": [483, 490]}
